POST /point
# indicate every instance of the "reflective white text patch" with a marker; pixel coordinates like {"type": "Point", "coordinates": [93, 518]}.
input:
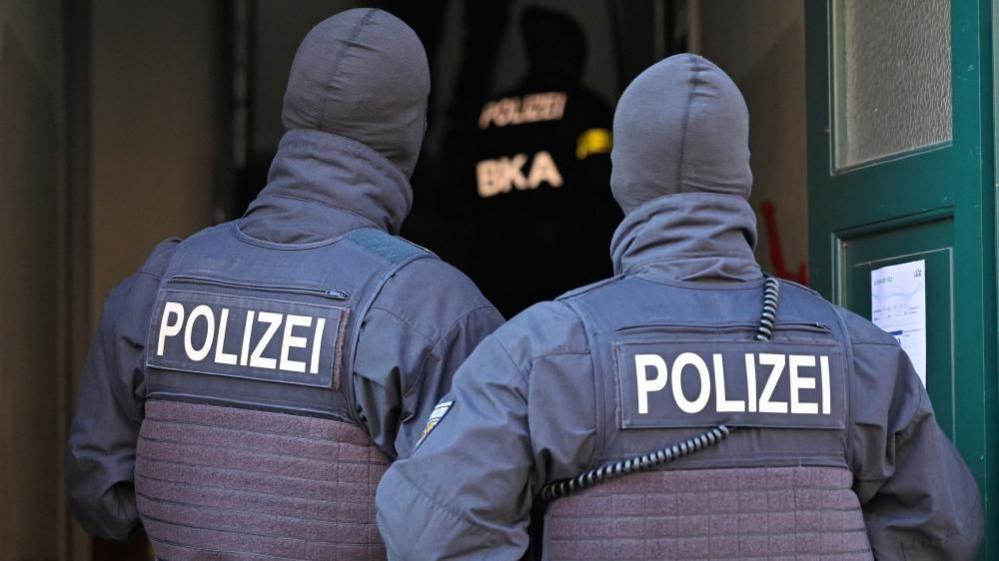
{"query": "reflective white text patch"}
{"type": "Point", "coordinates": [753, 384]}
{"type": "Point", "coordinates": [284, 341]}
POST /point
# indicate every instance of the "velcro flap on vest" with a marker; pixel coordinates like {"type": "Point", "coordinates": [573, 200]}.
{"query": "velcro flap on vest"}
{"type": "Point", "coordinates": [281, 339]}
{"type": "Point", "coordinates": [672, 384]}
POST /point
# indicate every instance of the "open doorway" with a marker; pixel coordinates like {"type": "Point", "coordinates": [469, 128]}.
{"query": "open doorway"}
{"type": "Point", "coordinates": [761, 45]}
{"type": "Point", "coordinates": [524, 227]}
{"type": "Point", "coordinates": [512, 185]}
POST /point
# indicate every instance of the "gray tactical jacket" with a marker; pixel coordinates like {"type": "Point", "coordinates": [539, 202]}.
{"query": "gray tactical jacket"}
{"type": "Point", "coordinates": [530, 407]}
{"type": "Point", "coordinates": [425, 321]}
{"type": "Point", "coordinates": [836, 452]}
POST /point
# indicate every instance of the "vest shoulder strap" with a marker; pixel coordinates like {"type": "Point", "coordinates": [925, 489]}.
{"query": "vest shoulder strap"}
{"type": "Point", "coordinates": [391, 248]}
{"type": "Point", "coordinates": [576, 292]}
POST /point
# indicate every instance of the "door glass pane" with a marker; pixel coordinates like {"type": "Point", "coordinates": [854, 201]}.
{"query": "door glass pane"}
{"type": "Point", "coordinates": [891, 76]}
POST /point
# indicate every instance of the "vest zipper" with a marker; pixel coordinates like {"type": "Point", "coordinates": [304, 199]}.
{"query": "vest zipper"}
{"type": "Point", "coordinates": [332, 294]}
{"type": "Point", "coordinates": [810, 327]}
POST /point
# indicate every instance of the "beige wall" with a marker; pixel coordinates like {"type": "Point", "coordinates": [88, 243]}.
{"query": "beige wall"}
{"type": "Point", "coordinates": [155, 133]}
{"type": "Point", "coordinates": [149, 157]}
{"type": "Point", "coordinates": [32, 376]}
{"type": "Point", "coordinates": [761, 44]}
{"type": "Point", "coordinates": [154, 129]}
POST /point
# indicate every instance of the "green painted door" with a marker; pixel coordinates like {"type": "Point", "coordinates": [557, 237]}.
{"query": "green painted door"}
{"type": "Point", "coordinates": [902, 191]}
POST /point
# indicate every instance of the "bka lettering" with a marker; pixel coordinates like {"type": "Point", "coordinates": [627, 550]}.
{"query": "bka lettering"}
{"type": "Point", "coordinates": [762, 373]}
{"type": "Point", "coordinates": [502, 175]}
{"type": "Point", "coordinates": [255, 332]}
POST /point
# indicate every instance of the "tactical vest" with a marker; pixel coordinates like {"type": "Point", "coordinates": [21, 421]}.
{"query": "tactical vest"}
{"type": "Point", "coordinates": [251, 446]}
{"type": "Point", "coordinates": [675, 359]}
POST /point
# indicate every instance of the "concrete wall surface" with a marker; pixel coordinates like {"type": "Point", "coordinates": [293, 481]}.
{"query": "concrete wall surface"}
{"type": "Point", "coordinates": [154, 129]}
{"type": "Point", "coordinates": [761, 44]}
{"type": "Point", "coordinates": [33, 518]}
{"type": "Point", "coordinates": [109, 140]}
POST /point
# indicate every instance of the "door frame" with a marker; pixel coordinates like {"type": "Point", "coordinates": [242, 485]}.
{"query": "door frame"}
{"type": "Point", "coordinates": [840, 211]}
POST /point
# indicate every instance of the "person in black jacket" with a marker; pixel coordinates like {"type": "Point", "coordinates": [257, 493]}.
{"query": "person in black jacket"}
{"type": "Point", "coordinates": [534, 169]}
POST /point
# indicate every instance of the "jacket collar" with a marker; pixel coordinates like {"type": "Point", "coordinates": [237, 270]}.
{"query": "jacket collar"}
{"type": "Point", "coordinates": [686, 237]}
{"type": "Point", "coordinates": [322, 185]}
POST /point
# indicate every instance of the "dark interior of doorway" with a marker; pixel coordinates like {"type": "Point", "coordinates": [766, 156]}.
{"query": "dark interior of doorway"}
{"type": "Point", "coordinates": [536, 239]}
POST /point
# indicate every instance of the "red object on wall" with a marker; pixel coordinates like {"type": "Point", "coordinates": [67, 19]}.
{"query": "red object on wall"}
{"type": "Point", "coordinates": [777, 252]}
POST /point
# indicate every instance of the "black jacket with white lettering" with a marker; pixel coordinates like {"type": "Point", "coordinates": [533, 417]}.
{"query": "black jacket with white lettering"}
{"type": "Point", "coordinates": [538, 196]}
{"type": "Point", "coordinates": [341, 167]}
{"type": "Point", "coordinates": [836, 452]}
{"type": "Point", "coordinates": [530, 174]}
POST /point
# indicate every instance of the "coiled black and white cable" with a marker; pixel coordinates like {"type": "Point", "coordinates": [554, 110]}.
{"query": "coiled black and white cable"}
{"type": "Point", "coordinates": [645, 462]}
{"type": "Point", "coordinates": [768, 319]}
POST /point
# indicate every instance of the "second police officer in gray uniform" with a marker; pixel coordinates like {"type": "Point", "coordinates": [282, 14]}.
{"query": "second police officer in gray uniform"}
{"type": "Point", "coordinates": [612, 404]}
{"type": "Point", "coordinates": [249, 384]}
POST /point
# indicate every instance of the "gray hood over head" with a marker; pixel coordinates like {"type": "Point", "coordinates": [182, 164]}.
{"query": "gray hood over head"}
{"type": "Point", "coordinates": [363, 75]}
{"type": "Point", "coordinates": [680, 127]}
{"type": "Point", "coordinates": [355, 109]}
{"type": "Point", "coordinates": [681, 174]}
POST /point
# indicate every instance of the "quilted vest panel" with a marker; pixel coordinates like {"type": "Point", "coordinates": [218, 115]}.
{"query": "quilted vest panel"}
{"type": "Point", "coordinates": [787, 514]}
{"type": "Point", "coordinates": [230, 483]}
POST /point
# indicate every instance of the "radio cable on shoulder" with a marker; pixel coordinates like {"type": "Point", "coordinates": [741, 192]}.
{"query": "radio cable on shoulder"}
{"type": "Point", "coordinates": [651, 460]}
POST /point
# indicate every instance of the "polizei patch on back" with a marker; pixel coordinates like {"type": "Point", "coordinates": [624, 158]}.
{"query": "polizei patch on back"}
{"type": "Point", "coordinates": [277, 340]}
{"type": "Point", "coordinates": [750, 384]}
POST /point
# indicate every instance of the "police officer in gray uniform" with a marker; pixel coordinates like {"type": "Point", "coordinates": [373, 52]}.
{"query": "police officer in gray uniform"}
{"type": "Point", "coordinates": [248, 386]}
{"type": "Point", "coordinates": [612, 404]}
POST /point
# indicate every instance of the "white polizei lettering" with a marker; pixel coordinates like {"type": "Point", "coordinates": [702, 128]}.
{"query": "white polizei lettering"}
{"type": "Point", "coordinates": [259, 330]}
{"type": "Point", "coordinates": [751, 382]}
{"type": "Point", "coordinates": [757, 400]}
{"type": "Point", "coordinates": [686, 405]}
{"type": "Point", "coordinates": [199, 354]}
{"type": "Point", "coordinates": [721, 404]}
{"type": "Point", "coordinates": [290, 341]}
{"type": "Point", "coordinates": [244, 354]}
{"type": "Point", "coordinates": [824, 373]}
{"type": "Point", "coordinates": [766, 404]}
{"type": "Point", "coordinates": [168, 329]}
{"type": "Point", "coordinates": [799, 383]}
{"type": "Point", "coordinates": [317, 339]}
{"type": "Point", "coordinates": [646, 385]}
{"type": "Point", "coordinates": [221, 356]}
{"type": "Point", "coordinates": [257, 360]}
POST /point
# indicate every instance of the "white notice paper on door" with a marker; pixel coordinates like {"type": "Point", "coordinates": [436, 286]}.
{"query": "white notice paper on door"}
{"type": "Point", "coordinates": [898, 305]}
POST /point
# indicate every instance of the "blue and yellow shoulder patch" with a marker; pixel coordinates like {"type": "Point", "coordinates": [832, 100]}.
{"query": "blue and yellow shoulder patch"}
{"type": "Point", "coordinates": [435, 418]}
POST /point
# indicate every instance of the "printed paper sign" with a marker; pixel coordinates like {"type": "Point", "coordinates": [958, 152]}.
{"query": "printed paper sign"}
{"type": "Point", "coordinates": [898, 306]}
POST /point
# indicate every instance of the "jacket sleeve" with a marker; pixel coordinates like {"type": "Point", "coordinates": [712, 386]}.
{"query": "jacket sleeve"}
{"type": "Point", "coordinates": [425, 322]}
{"type": "Point", "coordinates": [919, 499]}
{"type": "Point", "coordinates": [466, 492]}
{"type": "Point", "coordinates": [520, 414]}
{"type": "Point", "coordinates": [105, 426]}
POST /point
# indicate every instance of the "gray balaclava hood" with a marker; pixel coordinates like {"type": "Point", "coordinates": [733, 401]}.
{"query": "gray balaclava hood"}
{"type": "Point", "coordinates": [680, 127]}
{"type": "Point", "coordinates": [362, 74]}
